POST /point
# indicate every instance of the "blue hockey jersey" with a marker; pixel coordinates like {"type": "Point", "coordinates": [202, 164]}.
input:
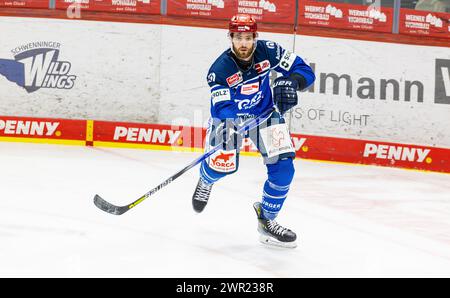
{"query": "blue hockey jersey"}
{"type": "Point", "coordinates": [236, 92]}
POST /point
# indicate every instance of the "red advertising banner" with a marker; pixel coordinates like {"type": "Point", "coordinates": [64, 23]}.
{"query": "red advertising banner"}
{"type": "Point", "coordinates": [25, 3]}
{"type": "Point", "coordinates": [148, 134]}
{"type": "Point", "coordinates": [367, 152]}
{"type": "Point", "coordinates": [273, 11]}
{"type": "Point", "coordinates": [185, 138]}
{"type": "Point", "coordinates": [373, 153]}
{"type": "Point", "coordinates": [428, 23]}
{"type": "Point", "coordinates": [122, 6]}
{"type": "Point", "coordinates": [266, 11]}
{"type": "Point", "coordinates": [346, 16]}
{"type": "Point", "coordinates": [42, 128]}
{"type": "Point", "coordinates": [212, 9]}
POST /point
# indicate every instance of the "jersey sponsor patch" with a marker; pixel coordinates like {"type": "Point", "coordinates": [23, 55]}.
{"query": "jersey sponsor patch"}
{"type": "Point", "coordinates": [262, 66]}
{"type": "Point", "coordinates": [220, 95]}
{"type": "Point", "coordinates": [234, 79]}
{"type": "Point", "coordinates": [249, 89]}
{"type": "Point", "coordinates": [277, 140]}
{"type": "Point", "coordinates": [245, 104]}
{"type": "Point", "coordinates": [287, 60]}
{"type": "Point", "coordinates": [223, 161]}
{"type": "Point", "coordinates": [278, 52]}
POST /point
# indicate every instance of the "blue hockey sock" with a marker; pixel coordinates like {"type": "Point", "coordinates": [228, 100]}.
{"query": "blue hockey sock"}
{"type": "Point", "coordinates": [208, 175]}
{"type": "Point", "coordinates": [276, 187]}
{"type": "Point", "coordinates": [273, 199]}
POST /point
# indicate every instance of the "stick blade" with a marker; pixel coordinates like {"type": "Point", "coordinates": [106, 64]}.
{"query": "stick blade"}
{"type": "Point", "coordinates": [108, 207]}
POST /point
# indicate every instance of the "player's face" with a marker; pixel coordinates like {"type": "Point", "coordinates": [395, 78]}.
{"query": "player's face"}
{"type": "Point", "coordinates": [243, 44]}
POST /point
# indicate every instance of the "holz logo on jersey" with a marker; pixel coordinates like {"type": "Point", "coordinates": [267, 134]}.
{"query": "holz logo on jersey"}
{"type": "Point", "coordinates": [262, 66]}
{"type": "Point", "coordinates": [220, 95]}
{"type": "Point", "coordinates": [36, 65]}
{"type": "Point", "coordinates": [396, 152]}
{"type": "Point", "coordinates": [234, 79]}
{"type": "Point", "coordinates": [28, 128]}
{"type": "Point", "coordinates": [150, 135]}
{"type": "Point", "coordinates": [223, 161]}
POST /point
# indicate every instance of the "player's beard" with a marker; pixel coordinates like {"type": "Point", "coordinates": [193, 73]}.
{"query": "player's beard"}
{"type": "Point", "coordinates": [243, 53]}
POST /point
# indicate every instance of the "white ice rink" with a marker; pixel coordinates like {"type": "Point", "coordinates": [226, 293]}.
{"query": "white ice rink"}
{"type": "Point", "coordinates": [352, 221]}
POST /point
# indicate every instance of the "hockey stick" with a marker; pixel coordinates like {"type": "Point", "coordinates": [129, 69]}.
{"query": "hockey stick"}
{"type": "Point", "coordinates": [118, 210]}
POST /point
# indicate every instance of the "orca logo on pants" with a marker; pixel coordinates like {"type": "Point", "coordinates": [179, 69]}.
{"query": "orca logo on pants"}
{"type": "Point", "coordinates": [442, 83]}
{"type": "Point", "coordinates": [224, 161]}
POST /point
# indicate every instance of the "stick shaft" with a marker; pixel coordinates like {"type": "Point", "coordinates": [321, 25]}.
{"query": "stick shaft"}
{"type": "Point", "coordinates": [118, 210]}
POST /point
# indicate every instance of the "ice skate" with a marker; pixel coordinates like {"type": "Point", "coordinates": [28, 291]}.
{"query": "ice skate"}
{"type": "Point", "coordinates": [271, 233]}
{"type": "Point", "coordinates": [201, 195]}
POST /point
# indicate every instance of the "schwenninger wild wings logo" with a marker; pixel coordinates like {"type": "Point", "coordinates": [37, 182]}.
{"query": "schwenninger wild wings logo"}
{"type": "Point", "coordinates": [37, 65]}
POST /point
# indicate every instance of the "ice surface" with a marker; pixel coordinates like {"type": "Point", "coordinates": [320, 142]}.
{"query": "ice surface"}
{"type": "Point", "coordinates": [360, 221]}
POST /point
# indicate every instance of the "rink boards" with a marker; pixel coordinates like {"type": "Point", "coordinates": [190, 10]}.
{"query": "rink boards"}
{"type": "Point", "coordinates": [187, 138]}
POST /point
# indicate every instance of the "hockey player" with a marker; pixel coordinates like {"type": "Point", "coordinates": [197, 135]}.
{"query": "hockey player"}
{"type": "Point", "coordinates": [240, 89]}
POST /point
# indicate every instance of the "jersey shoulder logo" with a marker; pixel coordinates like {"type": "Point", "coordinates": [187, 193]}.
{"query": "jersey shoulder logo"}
{"type": "Point", "coordinates": [262, 66]}
{"type": "Point", "coordinates": [234, 79]}
{"type": "Point", "coordinates": [211, 77]}
{"type": "Point", "coordinates": [270, 44]}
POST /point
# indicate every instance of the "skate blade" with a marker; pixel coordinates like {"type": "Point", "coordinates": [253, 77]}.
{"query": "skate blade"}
{"type": "Point", "coordinates": [269, 241]}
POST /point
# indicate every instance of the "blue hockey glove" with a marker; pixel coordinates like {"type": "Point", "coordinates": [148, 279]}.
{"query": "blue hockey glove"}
{"type": "Point", "coordinates": [285, 93]}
